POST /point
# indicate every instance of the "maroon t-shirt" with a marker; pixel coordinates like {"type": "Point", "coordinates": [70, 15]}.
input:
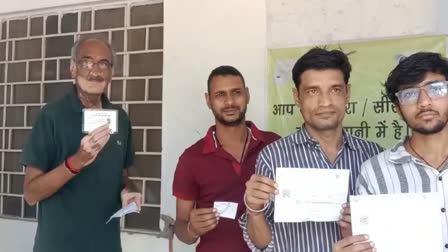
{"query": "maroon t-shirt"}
{"type": "Point", "coordinates": [207, 173]}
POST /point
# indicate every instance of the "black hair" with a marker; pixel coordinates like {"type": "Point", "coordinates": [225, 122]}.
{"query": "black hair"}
{"type": "Point", "coordinates": [321, 59]}
{"type": "Point", "coordinates": [223, 70]}
{"type": "Point", "coordinates": [412, 70]}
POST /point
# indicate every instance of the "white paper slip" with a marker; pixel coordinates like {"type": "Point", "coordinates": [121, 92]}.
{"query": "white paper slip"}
{"type": "Point", "coordinates": [226, 209]}
{"type": "Point", "coordinates": [130, 208]}
{"type": "Point", "coordinates": [310, 194]}
{"type": "Point", "coordinates": [94, 118]}
{"type": "Point", "coordinates": [408, 222]}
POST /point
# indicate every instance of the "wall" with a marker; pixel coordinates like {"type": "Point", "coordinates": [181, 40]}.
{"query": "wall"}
{"type": "Point", "coordinates": [295, 23]}
{"type": "Point", "coordinates": [442, 22]}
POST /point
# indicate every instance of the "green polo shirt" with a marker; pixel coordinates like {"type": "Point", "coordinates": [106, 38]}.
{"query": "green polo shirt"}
{"type": "Point", "coordinates": [73, 219]}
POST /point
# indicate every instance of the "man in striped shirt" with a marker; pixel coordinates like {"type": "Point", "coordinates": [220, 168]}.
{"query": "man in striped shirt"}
{"type": "Point", "coordinates": [418, 87]}
{"type": "Point", "coordinates": [322, 92]}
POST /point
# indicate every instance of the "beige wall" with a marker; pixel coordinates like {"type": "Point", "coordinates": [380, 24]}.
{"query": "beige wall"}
{"type": "Point", "coordinates": [296, 23]}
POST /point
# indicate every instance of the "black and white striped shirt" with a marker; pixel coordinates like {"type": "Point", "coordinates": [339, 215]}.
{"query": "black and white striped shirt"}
{"type": "Point", "coordinates": [299, 150]}
{"type": "Point", "coordinates": [397, 171]}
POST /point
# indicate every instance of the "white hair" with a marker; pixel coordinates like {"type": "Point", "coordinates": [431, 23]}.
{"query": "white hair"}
{"type": "Point", "coordinates": [77, 45]}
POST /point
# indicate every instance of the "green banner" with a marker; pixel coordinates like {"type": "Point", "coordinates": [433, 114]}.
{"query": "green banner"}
{"type": "Point", "coordinates": [369, 114]}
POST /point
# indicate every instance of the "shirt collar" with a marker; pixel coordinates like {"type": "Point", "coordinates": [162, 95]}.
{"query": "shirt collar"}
{"type": "Point", "coordinates": [78, 106]}
{"type": "Point", "coordinates": [398, 154]}
{"type": "Point", "coordinates": [211, 143]}
{"type": "Point", "coordinates": [302, 137]}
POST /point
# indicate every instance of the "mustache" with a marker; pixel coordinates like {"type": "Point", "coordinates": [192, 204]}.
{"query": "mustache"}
{"type": "Point", "coordinates": [322, 111]}
{"type": "Point", "coordinates": [95, 78]}
{"type": "Point", "coordinates": [427, 110]}
{"type": "Point", "coordinates": [230, 107]}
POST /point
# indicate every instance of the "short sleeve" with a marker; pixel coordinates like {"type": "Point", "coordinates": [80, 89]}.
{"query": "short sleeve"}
{"type": "Point", "coordinates": [184, 184]}
{"type": "Point", "coordinates": [39, 150]}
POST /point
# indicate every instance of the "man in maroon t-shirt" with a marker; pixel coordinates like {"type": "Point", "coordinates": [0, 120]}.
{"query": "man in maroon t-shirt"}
{"type": "Point", "coordinates": [210, 177]}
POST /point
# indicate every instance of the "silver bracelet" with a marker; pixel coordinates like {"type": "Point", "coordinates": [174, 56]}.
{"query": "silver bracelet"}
{"type": "Point", "coordinates": [252, 210]}
{"type": "Point", "coordinates": [189, 232]}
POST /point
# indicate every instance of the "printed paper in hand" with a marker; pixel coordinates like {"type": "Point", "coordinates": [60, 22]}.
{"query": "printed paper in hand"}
{"type": "Point", "coordinates": [226, 209]}
{"type": "Point", "coordinates": [310, 194]}
{"type": "Point", "coordinates": [408, 222]}
{"type": "Point", "coordinates": [94, 118]}
{"type": "Point", "coordinates": [130, 208]}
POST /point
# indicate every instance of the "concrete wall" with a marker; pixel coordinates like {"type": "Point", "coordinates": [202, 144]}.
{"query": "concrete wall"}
{"type": "Point", "coordinates": [315, 22]}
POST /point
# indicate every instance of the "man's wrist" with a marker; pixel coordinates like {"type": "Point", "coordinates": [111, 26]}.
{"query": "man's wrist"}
{"type": "Point", "coordinates": [71, 166]}
{"type": "Point", "coordinates": [250, 210]}
{"type": "Point", "coordinates": [129, 186]}
{"type": "Point", "coordinates": [125, 190]}
{"type": "Point", "coordinates": [190, 232]}
{"type": "Point", "coordinates": [75, 163]}
{"type": "Point", "coordinates": [253, 214]}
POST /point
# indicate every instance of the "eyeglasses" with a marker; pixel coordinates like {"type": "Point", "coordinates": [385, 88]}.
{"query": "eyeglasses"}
{"type": "Point", "coordinates": [410, 96]}
{"type": "Point", "coordinates": [103, 65]}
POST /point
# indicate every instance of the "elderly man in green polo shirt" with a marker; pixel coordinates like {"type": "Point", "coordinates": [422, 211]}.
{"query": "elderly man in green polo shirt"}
{"type": "Point", "coordinates": [80, 179]}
